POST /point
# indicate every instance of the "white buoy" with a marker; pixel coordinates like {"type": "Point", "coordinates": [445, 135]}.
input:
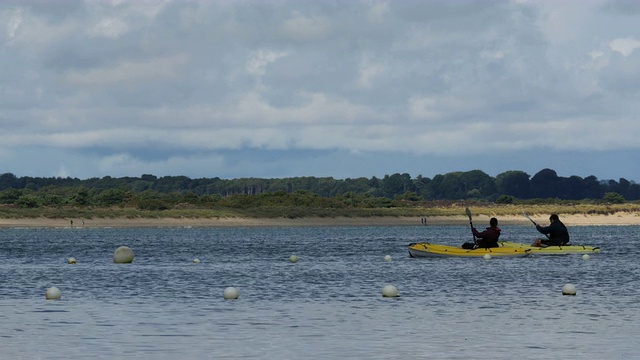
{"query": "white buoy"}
{"type": "Point", "coordinates": [389, 291]}
{"type": "Point", "coordinates": [53, 293]}
{"type": "Point", "coordinates": [568, 289]}
{"type": "Point", "coordinates": [293, 258]}
{"type": "Point", "coordinates": [586, 257]}
{"type": "Point", "coordinates": [123, 255]}
{"type": "Point", "coordinates": [387, 258]}
{"type": "Point", "coordinates": [487, 257]}
{"type": "Point", "coordinates": [196, 261]}
{"type": "Point", "coordinates": [71, 260]}
{"type": "Point", "coordinates": [231, 293]}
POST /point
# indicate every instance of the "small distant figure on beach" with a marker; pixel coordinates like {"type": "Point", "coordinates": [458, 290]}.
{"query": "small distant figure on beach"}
{"type": "Point", "coordinates": [82, 222]}
{"type": "Point", "coordinates": [423, 220]}
{"type": "Point", "coordinates": [71, 222]}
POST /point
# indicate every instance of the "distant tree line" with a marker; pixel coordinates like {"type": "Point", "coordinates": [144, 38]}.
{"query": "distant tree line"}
{"type": "Point", "coordinates": [152, 192]}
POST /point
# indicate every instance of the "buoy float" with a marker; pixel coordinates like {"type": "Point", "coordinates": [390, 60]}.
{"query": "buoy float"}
{"type": "Point", "coordinates": [293, 258]}
{"type": "Point", "coordinates": [123, 255]}
{"type": "Point", "coordinates": [387, 258]}
{"type": "Point", "coordinates": [196, 261]}
{"type": "Point", "coordinates": [231, 293]}
{"type": "Point", "coordinates": [568, 289]}
{"type": "Point", "coordinates": [52, 293]}
{"type": "Point", "coordinates": [586, 257]}
{"type": "Point", "coordinates": [487, 257]}
{"type": "Point", "coordinates": [389, 291]}
{"type": "Point", "coordinates": [71, 260]}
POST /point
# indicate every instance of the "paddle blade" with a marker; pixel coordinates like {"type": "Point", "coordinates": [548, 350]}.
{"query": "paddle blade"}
{"type": "Point", "coordinates": [468, 212]}
{"type": "Point", "coordinates": [527, 216]}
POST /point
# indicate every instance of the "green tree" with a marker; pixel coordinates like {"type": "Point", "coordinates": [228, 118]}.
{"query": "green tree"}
{"type": "Point", "coordinates": [513, 183]}
{"type": "Point", "coordinates": [479, 181]}
{"type": "Point", "coordinates": [546, 184]}
{"type": "Point", "coordinates": [190, 198]}
{"type": "Point", "coordinates": [52, 200]}
{"type": "Point", "coordinates": [397, 184]}
{"type": "Point", "coordinates": [613, 198]}
{"type": "Point", "coordinates": [28, 201]}
{"type": "Point", "coordinates": [462, 185]}
{"type": "Point", "coordinates": [572, 188]}
{"type": "Point", "coordinates": [9, 180]}
{"type": "Point", "coordinates": [420, 184]}
{"type": "Point", "coordinates": [592, 188]}
{"type": "Point", "coordinates": [111, 197]}
{"type": "Point", "coordinates": [505, 199]}
{"type": "Point", "coordinates": [10, 196]}
{"type": "Point", "coordinates": [473, 194]}
{"type": "Point", "coordinates": [151, 204]}
{"type": "Point", "coordinates": [409, 196]}
{"type": "Point", "coordinates": [81, 197]}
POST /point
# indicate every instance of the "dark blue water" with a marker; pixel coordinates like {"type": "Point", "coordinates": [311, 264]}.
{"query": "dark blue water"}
{"type": "Point", "coordinates": [327, 305]}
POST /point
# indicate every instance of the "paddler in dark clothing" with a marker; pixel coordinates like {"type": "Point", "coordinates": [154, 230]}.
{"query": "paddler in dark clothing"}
{"type": "Point", "coordinates": [556, 232]}
{"type": "Point", "coordinates": [486, 239]}
{"type": "Point", "coordinates": [489, 237]}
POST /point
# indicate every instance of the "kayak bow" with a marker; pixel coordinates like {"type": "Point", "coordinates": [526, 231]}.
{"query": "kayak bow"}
{"type": "Point", "coordinates": [552, 250]}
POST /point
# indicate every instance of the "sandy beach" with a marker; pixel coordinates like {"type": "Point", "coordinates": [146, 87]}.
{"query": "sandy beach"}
{"type": "Point", "coordinates": [623, 218]}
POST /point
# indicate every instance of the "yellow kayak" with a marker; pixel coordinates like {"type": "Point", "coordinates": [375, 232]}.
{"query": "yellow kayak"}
{"type": "Point", "coordinates": [551, 250]}
{"type": "Point", "coordinates": [437, 250]}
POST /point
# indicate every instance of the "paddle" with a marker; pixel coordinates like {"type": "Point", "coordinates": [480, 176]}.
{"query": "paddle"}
{"type": "Point", "coordinates": [471, 224]}
{"type": "Point", "coordinates": [534, 223]}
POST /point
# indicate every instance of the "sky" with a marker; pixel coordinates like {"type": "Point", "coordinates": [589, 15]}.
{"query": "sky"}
{"type": "Point", "coordinates": [342, 89]}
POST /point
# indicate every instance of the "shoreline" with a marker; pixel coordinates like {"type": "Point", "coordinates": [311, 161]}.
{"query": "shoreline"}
{"type": "Point", "coordinates": [621, 218]}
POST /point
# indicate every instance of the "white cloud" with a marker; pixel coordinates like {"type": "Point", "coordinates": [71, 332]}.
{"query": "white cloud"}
{"type": "Point", "coordinates": [14, 22]}
{"type": "Point", "coordinates": [624, 46]}
{"type": "Point", "coordinates": [595, 54]}
{"type": "Point", "coordinates": [314, 108]}
{"type": "Point", "coordinates": [259, 60]}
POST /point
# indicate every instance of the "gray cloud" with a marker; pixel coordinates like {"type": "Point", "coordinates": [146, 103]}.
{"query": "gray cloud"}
{"type": "Point", "coordinates": [128, 87]}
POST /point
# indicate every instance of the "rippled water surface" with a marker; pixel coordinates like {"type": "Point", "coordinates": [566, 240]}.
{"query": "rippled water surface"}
{"type": "Point", "coordinates": [328, 305]}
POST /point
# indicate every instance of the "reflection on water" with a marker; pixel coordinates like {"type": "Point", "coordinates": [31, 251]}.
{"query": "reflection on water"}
{"type": "Point", "coordinates": [328, 305]}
